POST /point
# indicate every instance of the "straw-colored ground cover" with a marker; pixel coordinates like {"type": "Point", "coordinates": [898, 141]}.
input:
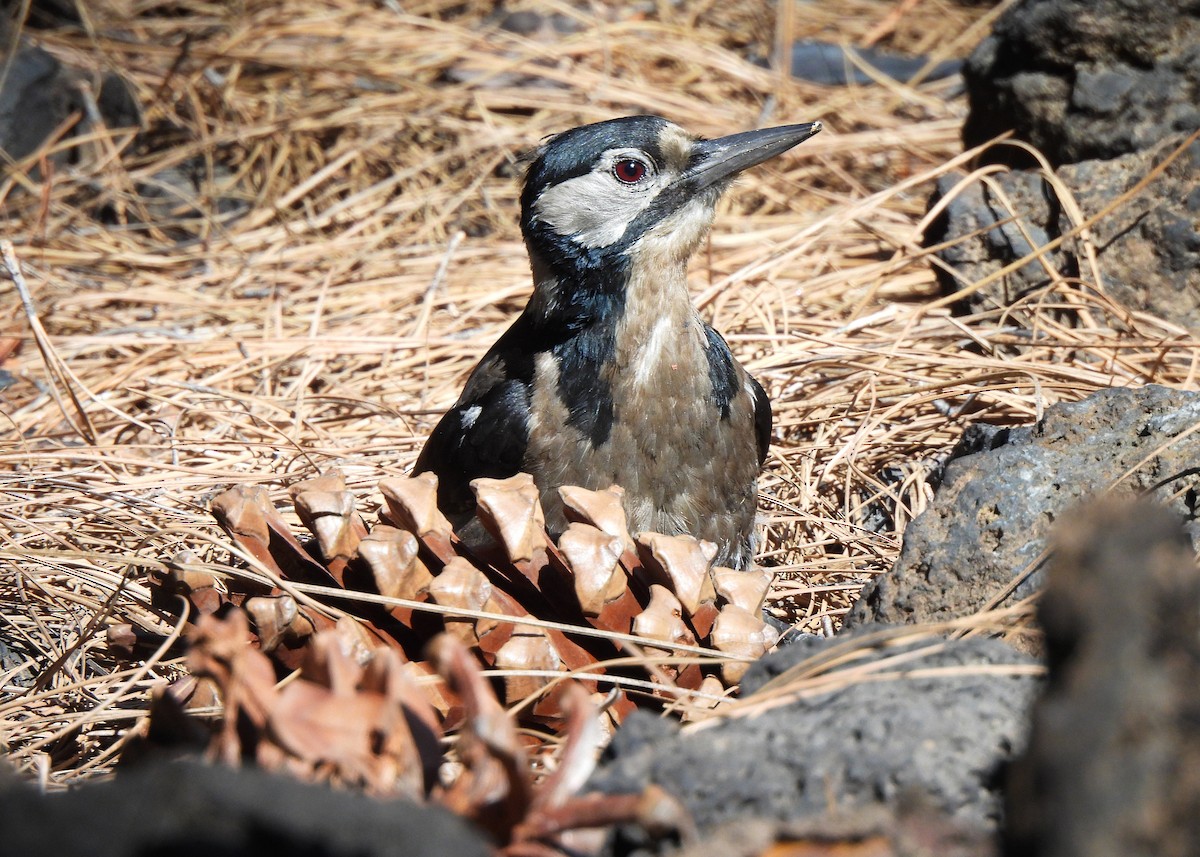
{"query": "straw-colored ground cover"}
{"type": "Point", "coordinates": [374, 147]}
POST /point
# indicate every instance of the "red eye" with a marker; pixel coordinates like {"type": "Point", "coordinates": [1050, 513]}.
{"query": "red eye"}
{"type": "Point", "coordinates": [629, 170]}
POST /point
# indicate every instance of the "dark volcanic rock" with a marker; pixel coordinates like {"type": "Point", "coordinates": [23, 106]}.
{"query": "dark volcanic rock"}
{"type": "Point", "coordinates": [1113, 764]}
{"type": "Point", "coordinates": [942, 738]}
{"type": "Point", "coordinates": [911, 831]}
{"type": "Point", "coordinates": [833, 65]}
{"type": "Point", "coordinates": [37, 95]}
{"type": "Point", "coordinates": [1148, 249]}
{"type": "Point", "coordinates": [1085, 79]}
{"type": "Point", "coordinates": [1110, 87]}
{"type": "Point", "coordinates": [991, 516]}
{"type": "Point", "coordinates": [197, 810]}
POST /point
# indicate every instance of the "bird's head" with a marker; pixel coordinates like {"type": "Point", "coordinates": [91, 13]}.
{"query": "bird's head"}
{"type": "Point", "coordinates": [598, 197]}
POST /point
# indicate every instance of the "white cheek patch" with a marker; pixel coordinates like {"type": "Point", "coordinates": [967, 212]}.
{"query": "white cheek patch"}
{"type": "Point", "coordinates": [592, 209]}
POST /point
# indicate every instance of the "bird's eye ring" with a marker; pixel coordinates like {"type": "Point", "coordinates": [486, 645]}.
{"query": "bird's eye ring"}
{"type": "Point", "coordinates": [629, 170]}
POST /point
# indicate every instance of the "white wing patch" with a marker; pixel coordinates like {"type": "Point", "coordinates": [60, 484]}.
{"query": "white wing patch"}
{"type": "Point", "coordinates": [470, 415]}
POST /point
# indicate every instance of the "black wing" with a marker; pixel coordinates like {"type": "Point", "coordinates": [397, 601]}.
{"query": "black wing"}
{"type": "Point", "coordinates": [724, 372]}
{"type": "Point", "coordinates": [762, 418]}
{"type": "Point", "coordinates": [484, 434]}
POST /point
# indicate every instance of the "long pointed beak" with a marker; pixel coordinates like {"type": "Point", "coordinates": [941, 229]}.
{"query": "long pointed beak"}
{"type": "Point", "coordinates": [725, 157]}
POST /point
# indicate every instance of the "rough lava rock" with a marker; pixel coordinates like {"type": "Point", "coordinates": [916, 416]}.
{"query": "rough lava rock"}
{"type": "Point", "coordinates": [38, 94]}
{"type": "Point", "coordinates": [1085, 79]}
{"type": "Point", "coordinates": [990, 519]}
{"type": "Point", "coordinates": [1113, 763]}
{"type": "Point", "coordinates": [1106, 90]}
{"type": "Point", "coordinates": [194, 809]}
{"type": "Point", "coordinates": [940, 738]}
{"type": "Point", "coordinates": [1147, 250]}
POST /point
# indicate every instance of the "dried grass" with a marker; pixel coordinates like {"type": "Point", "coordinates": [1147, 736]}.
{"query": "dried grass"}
{"type": "Point", "coordinates": [375, 150]}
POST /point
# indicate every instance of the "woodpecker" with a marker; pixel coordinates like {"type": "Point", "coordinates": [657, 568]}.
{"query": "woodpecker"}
{"type": "Point", "coordinates": [610, 375]}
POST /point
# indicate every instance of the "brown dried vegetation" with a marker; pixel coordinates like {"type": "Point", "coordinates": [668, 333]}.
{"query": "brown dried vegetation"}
{"type": "Point", "coordinates": [349, 252]}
